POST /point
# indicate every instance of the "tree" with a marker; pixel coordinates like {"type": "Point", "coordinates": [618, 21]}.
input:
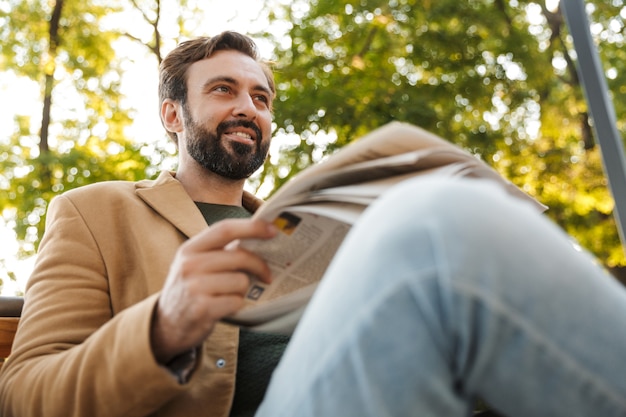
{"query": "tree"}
{"type": "Point", "coordinates": [495, 77]}
{"type": "Point", "coordinates": [80, 138]}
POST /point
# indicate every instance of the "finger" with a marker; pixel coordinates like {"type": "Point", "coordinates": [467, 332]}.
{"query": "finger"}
{"type": "Point", "coordinates": [223, 306]}
{"type": "Point", "coordinates": [206, 310]}
{"type": "Point", "coordinates": [223, 232]}
{"type": "Point", "coordinates": [225, 283]}
{"type": "Point", "coordinates": [229, 260]}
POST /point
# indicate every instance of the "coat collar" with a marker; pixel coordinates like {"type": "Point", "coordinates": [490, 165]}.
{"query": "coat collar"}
{"type": "Point", "coordinates": [168, 197]}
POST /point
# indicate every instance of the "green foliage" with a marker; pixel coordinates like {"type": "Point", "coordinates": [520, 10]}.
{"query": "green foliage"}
{"type": "Point", "coordinates": [493, 76]}
{"type": "Point", "coordinates": [77, 68]}
{"type": "Point", "coordinates": [29, 183]}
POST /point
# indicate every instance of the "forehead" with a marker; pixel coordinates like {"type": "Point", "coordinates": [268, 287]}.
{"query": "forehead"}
{"type": "Point", "coordinates": [231, 64]}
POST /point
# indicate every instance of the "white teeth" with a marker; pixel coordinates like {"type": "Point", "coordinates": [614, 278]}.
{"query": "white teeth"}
{"type": "Point", "coordinates": [242, 134]}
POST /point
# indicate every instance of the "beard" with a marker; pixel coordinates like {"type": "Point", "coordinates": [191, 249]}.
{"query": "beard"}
{"type": "Point", "coordinates": [208, 149]}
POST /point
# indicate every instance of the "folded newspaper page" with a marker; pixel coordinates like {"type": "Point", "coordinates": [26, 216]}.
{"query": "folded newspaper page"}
{"type": "Point", "coordinates": [316, 209]}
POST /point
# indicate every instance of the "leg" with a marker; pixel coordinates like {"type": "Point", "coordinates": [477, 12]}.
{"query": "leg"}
{"type": "Point", "coordinates": [448, 290]}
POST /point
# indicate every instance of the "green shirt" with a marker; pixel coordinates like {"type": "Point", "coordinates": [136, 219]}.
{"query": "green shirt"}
{"type": "Point", "coordinates": [258, 353]}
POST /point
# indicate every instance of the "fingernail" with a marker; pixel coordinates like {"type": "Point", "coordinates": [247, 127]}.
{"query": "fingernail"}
{"type": "Point", "coordinates": [272, 229]}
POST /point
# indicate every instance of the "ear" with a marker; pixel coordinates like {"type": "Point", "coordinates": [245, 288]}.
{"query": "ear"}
{"type": "Point", "coordinates": [172, 115]}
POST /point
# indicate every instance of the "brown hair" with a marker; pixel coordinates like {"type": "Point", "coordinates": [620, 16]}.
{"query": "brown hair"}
{"type": "Point", "coordinates": [173, 69]}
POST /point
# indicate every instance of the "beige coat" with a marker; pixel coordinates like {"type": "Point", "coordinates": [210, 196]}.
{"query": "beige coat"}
{"type": "Point", "coordinates": [82, 348]}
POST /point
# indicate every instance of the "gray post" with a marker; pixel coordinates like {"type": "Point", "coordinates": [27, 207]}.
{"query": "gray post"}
{"type": "Point", "coordinates": [600, 107]}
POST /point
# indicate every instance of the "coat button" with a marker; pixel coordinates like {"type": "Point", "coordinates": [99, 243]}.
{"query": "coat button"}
{"type": "Point", "coordinates": [220, 363]}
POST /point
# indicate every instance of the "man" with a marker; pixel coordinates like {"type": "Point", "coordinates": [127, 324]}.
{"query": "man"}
{"type": "Point", "coordinates": [98, 336]}
{"type": "Point", "coordinates": [444, 291]}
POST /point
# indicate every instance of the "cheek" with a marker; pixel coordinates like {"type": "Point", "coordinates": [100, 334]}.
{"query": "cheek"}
{"type": "Point", "coordinates": [207, 121]}
{"type": "Point", "coordinates": [265, 122]}
{"type": "Point", "coordinates": [209, 114]}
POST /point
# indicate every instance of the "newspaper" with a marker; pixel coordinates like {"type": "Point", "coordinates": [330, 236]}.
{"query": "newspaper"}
{"type": "Point", "coordinates": [316, 209]}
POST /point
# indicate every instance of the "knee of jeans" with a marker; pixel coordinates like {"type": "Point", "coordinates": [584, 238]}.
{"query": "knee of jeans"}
{"type": "Point", "coordinates": [465, 219]}
{"type": "Point", "coordinates": [444, 198]}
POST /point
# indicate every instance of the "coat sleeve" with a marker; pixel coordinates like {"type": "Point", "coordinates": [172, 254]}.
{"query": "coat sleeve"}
{"type": "Point", "coordinates": [71, 355]}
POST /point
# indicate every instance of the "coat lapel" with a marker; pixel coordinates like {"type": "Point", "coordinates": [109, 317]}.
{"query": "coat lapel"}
{"type": "Point", "coordinates": [167, 197]}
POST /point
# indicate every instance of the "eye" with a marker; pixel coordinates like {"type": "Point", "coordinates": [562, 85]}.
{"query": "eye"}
{"type": "Point", "coordinates": [262, 98]}
{"type": "Point", "coordinates": [222, 89]}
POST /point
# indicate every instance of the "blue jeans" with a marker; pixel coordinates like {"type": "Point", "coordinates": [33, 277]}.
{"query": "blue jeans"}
{"type": "Point", "coordinates": [449, 290]}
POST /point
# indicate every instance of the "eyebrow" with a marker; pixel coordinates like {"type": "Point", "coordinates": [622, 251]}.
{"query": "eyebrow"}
{"type": "Point", "coordinates": [231, 80]}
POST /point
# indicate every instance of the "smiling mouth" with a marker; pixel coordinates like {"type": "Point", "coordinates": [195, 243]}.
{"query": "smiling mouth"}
{"type": "Point", "coordinates": [240, 137]}
{"type": "Point", "coordinates": [240, 131]}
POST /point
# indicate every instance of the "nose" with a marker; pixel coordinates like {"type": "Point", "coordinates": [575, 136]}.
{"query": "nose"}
{"type": "Point", "coordinates": [244, 107]}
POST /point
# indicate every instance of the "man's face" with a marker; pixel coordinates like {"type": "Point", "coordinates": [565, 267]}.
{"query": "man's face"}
{"type": "Point", "coordinates": [227, 117]}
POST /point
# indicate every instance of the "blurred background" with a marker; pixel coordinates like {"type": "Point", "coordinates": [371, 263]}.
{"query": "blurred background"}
{"type": "Point", "coordinates": [78, 95]}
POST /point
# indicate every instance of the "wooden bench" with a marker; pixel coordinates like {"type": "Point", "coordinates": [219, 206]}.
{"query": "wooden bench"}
{"type": "Point", "coordinates": [10, 311]}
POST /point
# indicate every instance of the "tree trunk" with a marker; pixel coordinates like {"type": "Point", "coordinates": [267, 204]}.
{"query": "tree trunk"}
{"type": "Point", "coordinates": [49, 69]}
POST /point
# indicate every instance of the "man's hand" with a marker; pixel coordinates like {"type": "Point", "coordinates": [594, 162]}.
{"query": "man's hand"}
{"type": "Point", "coordinates": [207, 281]}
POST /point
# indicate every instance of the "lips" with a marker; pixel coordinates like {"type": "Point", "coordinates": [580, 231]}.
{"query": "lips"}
{"type": "Point", "coordinates": [242, 134]}
{"type": "Point", "coordinates": [243, 131]}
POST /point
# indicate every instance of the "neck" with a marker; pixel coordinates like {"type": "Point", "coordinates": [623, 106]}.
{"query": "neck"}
{"type": "Point", "coordinates": [206, 187]}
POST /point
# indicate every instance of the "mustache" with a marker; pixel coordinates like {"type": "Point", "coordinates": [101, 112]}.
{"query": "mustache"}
{"type": "Point", "coordinates": [229, 124]}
